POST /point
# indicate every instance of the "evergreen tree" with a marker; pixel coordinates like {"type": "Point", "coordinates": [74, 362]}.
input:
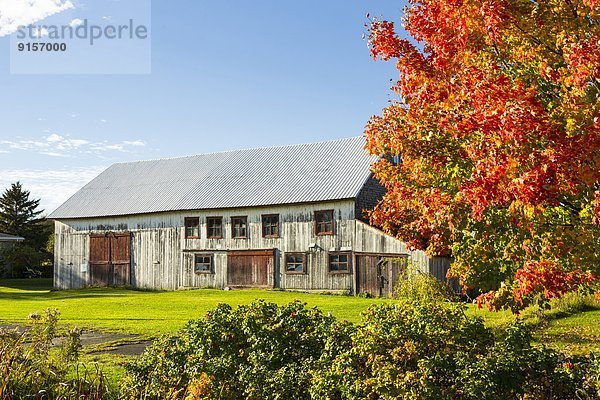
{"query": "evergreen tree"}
{"type": "Point", "coordinates": [19, 216]}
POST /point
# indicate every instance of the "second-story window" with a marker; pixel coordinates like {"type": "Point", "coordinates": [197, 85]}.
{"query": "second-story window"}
{"type": "Point", "coordinates": [324, 222]}
{"type": "Point", "coordinates": [270, 225]}
{"type": "Point", "coordinates": [192, 227]}
{"type": "Point", "coordinates": [394, 159]}
{"type": "Point", "coordinates": [239, 227]}
{"type": "Point", "coordinates": [214, 227]}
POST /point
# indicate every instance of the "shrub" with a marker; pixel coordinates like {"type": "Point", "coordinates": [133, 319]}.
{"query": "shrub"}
{"type": "Point", "coordinates": [258, 351]}
{"type": "Point", "coordinates": [435, 351]}
{"type": "Point", "coordinates": [407, 350]}
{"type": "Point", "coordinates": [18, 258]}
{"type": "Point", "coordinates": [32, 368]}
{"type": "Point", "coordinates": [514, 369]}
{"type": "Point", "coordinates": [418, 286]}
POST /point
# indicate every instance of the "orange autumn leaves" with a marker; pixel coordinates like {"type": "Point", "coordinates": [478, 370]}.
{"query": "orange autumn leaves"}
{"type": "Point", "coordinates": [498, 127]}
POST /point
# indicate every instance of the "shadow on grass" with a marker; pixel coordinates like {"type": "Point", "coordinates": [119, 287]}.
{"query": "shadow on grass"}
{"type": "Point", "coordinates": [27, 284]}
{"type": "Point", "coordinates": [569, 337]}
{"type": "Point", "coordinates": [41, 289]}
{"type": "Point", "coordinates": [45, 296]}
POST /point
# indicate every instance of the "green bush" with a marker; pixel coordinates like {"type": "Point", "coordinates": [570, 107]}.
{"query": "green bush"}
{"type": "Point", "coordinates": [17, 259]}
{"type": "Point", "coordinates": [259, 351]}
{"type": "Point", "coordinates": [31, 367]}
{"type": "Point", "coordinates": [434, 351]}
{"type": "Point", "coordinates": [421, 287]}
{"type": "Point", "coordinates": [407, 350]}
{"type": "Point", "coordinates": [513, 369]}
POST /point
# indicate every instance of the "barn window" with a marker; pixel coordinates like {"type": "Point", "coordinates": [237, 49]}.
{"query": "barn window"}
{"type": "Point", "coordinates": [192, 227]}
{"type": "Point", "coordinates": [214, 227]}
{"type": "Point", "coordinates": [339, 263]}
{"type": "Point", "coordinates": [394, 159]}
{"type": "Point", "coordinates": [270, 225]}
{"type": "Point", "coordinates": [324, 222]}
{"type": "Point", "coordinates": [203, 263]}
{"type": "Point", "coordinates": [239, 227]}
{"type": "Point", "coordinates": [295, 263]}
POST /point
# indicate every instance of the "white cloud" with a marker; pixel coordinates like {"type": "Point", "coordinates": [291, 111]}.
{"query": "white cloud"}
{"type": "Point", "coordinates": [53, 187]}
{"type": "Point", "coordinates": [40, 32]}
{"type": "Point", "coordinates": [56, 145]}
{"type": "Point", "coordinates": [54, 138]}
{"type": "Point", "coordinates": [17, 13]}
{"type": "Point", "coordinates": [139, 143]}
{"type": "Point", "coordinates": [53, 154]}
{"type": "Point", "coordinates": [75, 22]}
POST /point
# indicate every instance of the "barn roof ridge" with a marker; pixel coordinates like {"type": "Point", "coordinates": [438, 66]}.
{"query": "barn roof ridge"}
{"type": "Point", "coordinates": [210, 153]}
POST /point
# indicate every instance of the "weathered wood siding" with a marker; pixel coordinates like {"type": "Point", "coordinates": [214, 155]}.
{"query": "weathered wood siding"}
{"type": "Point", "coordinates": [368, 239]}
{"type": "Point", "coordinates": [162, 258]}
{"type": "Point", "coordinates": [371, 240]}
{"type": "Point", "coordinates": [438, 267]}
{"type": "Point", "coordinates": [71, 252]}
{"type": "Point", "coordinates": [368, 198]}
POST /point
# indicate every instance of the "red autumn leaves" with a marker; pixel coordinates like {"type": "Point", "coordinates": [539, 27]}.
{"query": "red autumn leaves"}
{"type": "Point", "coordinates": [497, 123]}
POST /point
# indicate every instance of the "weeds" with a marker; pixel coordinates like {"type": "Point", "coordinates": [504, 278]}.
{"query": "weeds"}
{"type": "Point", "coordinates": [33, 366]}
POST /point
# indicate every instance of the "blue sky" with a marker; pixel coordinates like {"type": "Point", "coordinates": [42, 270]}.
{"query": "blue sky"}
{"type": "Point", "coordinates": [224, 75]}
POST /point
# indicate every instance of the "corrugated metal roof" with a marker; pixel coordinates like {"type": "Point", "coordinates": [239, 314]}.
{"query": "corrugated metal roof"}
{"type": "Point", "coordinates": [10, 238]}
{"type": "Point", "coordinates": [331, 170]}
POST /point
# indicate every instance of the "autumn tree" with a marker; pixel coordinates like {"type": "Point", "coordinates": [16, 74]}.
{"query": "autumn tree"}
{"type": "Point", "coordinates": [498, 131]}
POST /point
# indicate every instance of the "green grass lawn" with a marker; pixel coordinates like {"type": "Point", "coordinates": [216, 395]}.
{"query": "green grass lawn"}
{"type": "Point", "coordinates": [149, 313]}
{"type": "Point", "coordinates": [579, 333]}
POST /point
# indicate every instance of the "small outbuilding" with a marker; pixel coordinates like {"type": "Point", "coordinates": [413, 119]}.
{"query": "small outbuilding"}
{"type": "Point", "coordinates": [289, 217]}
{"type": "Point", "coordinates": [7, 241]}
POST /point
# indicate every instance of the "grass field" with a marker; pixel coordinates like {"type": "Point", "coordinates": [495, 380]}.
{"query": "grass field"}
{"type": "Point", "coordinates": [578, 334]}
{"type": "Point", "coordinates": [150, 313]}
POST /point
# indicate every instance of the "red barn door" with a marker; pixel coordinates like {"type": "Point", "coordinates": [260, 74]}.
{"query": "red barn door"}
{"type": "Point", "coordinates": [250, 268]}
{"type": "Point", "coordinates": [110, 259]}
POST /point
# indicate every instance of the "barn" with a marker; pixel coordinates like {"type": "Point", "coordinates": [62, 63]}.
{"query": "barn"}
{"type": "Point", "coordinates": [289, 217]}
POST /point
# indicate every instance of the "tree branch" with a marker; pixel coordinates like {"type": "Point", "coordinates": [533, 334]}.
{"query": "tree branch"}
{"type": "Point", "coordinates": [537, 40]}
{"type": "Point", "coordinates": [573, 10]}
